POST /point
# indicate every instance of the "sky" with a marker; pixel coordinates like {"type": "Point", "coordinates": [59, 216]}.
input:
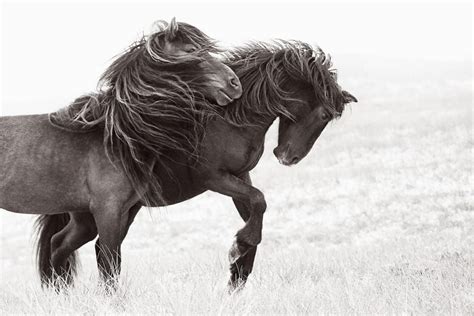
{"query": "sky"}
{"type": "Point", "coordinates": [54, 52]}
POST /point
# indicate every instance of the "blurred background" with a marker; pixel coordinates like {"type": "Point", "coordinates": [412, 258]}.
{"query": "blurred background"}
{"type": "Point", "coordinates": [53, 51]}
{"type": "Point", "coordinates": [386, 187]}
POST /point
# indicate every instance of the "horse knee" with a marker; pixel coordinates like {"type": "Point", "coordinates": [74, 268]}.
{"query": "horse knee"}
{"type": "Point", "coordinates": [249, 236]}
{"type": "Point", "coordinates": [258, 203]}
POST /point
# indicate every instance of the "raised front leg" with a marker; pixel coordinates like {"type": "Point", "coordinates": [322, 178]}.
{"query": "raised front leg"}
{"type": "Point", "coordinates": [251, 234]}
{"type": "Point", "coordinates": [242, 267]}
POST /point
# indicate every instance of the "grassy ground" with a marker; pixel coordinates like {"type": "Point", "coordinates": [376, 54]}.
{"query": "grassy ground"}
{"type": "Point", "coordinates": [378, 219]}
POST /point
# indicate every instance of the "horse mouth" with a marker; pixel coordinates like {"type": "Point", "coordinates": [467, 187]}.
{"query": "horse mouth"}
{"type": "Point", "coordinates": [223, 98]}
{"type": "Point", "coordinates": [286, 162]}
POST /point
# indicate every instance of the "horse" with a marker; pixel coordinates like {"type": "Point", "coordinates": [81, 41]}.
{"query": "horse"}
{"type": "Point", "coordinates": [289, 80]}
{"type": "Point", "coordinates": [47, 167]}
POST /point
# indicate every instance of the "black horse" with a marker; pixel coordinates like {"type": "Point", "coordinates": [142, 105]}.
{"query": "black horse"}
{"type": "Point", "coordinates": [99, 175]}
{"type": "Point", "coordinates": [291, 81]}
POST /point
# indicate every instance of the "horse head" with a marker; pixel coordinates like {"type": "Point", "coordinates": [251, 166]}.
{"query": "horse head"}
{"type": "Point", "coordinates": [290, 80]}
{"type": "Point", "coordinates": [178, 44]}
{"type": "Point", "coordinates": [309, 114]}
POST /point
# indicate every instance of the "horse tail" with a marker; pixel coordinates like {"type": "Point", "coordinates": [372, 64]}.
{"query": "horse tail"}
{"type": "Point", "coordinates": [46, 227]}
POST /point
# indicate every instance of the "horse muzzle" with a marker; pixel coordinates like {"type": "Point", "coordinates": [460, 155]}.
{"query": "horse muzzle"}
{"type": "Point", "coordinates": [232, 90]}
{"type": "Point", "coordinates": [285, 157]}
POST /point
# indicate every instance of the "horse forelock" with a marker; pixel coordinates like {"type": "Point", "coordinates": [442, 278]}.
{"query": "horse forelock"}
{"type": "Point", "coordinates": [181, 33]}
{"type": "Point", "coordinates": [264, 68]}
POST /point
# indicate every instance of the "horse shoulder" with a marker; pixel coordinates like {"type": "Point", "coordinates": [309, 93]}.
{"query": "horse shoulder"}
{"type": "Point", "coordinates": [106, 180]}
{"type": "Point", "coordinates": [231, 148]}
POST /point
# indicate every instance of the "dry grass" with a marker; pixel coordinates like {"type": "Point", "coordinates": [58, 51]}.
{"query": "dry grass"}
{"type": "Point", "coordinates": [398, 277]}
{"type": "Point", "coordinates": [377, 220]}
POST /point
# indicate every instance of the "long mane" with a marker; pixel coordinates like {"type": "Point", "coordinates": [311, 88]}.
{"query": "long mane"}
{"type": "Point", "coordinates": [147, 103]}
{"type": "Point", "coordinates": [264, 68]}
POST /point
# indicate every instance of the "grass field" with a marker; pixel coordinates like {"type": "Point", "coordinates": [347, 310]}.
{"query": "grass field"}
{"type": "Point", "coordinates": [378, 219]}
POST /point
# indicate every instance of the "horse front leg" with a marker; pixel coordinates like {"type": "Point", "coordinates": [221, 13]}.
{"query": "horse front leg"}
{"type": "Point", "coordinates": [131, 216]}
{"type": "Point", "coordinates": [111, 221]}
{"type": "Point", "coordinates": [250, 235]}
{"type": "Point", "coordinates": [242, 267]}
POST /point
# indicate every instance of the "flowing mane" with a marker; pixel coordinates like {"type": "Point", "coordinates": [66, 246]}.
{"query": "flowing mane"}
{"type": "Point", "coordinates": [147, 103]}
{"type": "Point", "coordinates": [264, 68]}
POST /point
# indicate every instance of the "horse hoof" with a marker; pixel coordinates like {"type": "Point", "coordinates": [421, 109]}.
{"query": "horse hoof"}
{"type": "Point", "coordinates": [234, 252]}
{"type": "Point", "coordinates": [236, 286]}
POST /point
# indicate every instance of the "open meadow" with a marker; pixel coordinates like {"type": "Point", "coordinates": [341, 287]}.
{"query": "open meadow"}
{"type": "Point", "coordinates": [377, 219]}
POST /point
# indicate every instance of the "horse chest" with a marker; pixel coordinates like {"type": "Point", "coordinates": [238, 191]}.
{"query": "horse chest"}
{"type": "Point", "coordinates": [246, 157]}
{"type": "Point", "coordinates": [230, 148]}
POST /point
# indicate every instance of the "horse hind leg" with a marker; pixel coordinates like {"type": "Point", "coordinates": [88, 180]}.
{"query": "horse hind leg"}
{"type": "Point", "coordinates": [46, 227]}
{"type": "Point", "coordinates": [80, 230]}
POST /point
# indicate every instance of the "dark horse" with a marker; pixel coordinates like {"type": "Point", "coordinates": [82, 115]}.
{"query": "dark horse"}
{"type": "Point", "coordinates": [100, 176]}
{"type": "Point", "coordinates": [287, 80]}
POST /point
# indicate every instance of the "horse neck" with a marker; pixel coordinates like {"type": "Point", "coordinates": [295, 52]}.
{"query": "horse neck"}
{"type": "Point", "coordinates": [259, 127]}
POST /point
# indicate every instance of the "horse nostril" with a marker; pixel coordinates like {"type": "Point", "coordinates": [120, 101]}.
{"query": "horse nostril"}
{"type": "Point", "coordinates": [276, 151]}
{"type": "Point", "coordinates": [234, 82]}
{"type": "Point", "coordinates": [295, 160]}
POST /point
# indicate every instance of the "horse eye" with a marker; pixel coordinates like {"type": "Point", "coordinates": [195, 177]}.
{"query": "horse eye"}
{"type": "Point", "coordinates": [191, 49]}
{"type": "Point", "coordinates": [324, 116]}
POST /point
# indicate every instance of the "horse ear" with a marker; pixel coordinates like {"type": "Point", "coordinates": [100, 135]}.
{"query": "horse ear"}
{"type": "Point", "coordinates": [172, 29]}
{"type": "Point", "coordinates": [348, 98]}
